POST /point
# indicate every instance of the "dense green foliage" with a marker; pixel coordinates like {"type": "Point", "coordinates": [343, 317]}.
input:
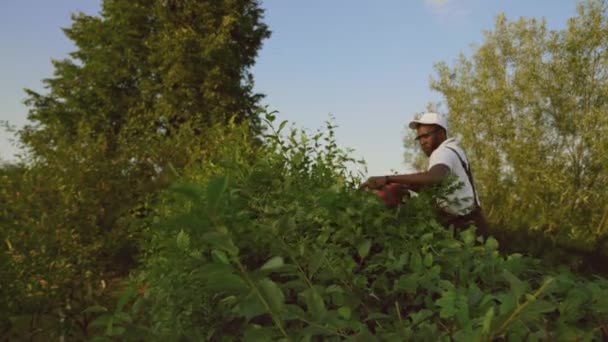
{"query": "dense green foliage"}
{"type": "Point", "coordinates": [262, 234]}
{"type": "Point", "coordinates": [530, 105]}
{"type": "Point", "coordinates": [284, 247]}
{"type": "Point", "coordinates": [142, 91]}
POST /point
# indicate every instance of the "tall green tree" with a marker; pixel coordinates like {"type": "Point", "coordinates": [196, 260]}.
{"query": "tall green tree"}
{"type": "Point", "coordinates": [148, 66]}
{"type": "Point", "coordinates": [143, 73]}
{"type": "Point", "coordinates": [531, 108]}
{"type": "Point", "coordinates": [147, 81]}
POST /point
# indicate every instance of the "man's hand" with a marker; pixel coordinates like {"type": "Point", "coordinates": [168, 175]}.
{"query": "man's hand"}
{"type": "Point", "coordinates": [374, 183]}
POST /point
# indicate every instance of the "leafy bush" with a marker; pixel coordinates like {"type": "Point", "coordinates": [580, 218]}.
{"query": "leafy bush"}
{"type": "Point", "coordinates": [529, 103]}
{"type": "Point", "coordinates": [282, 246]}
{"type": "Point", "coordinates": [70, 240]}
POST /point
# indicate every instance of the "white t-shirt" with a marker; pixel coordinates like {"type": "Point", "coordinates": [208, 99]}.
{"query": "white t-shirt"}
{"type": "Point", "coordinates": [460, 202]}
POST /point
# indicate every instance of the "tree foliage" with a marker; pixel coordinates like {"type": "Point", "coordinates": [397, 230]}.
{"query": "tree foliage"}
{"type": "Point", "coordinates": [530, 105]}
{"type": "Point", "coordinates": [148, 83]}
{"type": "Point", "coordinates": [145, 66]}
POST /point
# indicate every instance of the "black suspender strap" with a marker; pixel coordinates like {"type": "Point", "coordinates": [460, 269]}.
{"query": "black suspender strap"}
{"type": "Point", "coordinates": [467, 169]}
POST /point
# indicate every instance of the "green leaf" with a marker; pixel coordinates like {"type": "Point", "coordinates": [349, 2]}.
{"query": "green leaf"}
{"type": "Point", "coordinates": [293, 312]}
{"type": "Point", "coordinates": [508, 303]}
{"type": "Point", "coordinates": [220, 256]}
{"type": "Point", "coordinates": [517, 286]}
{"type": "Point", "coordinates": [192, 191]}
{"type": "Point", "coordinates": [314, 303]}
{"type": "Point", "coordinates": [428, 260]}
{"type": "Point", "coordinates": [95, 309]}
{"type": "Point", "coordinates": [334, 289]}
{"type": "Point", "coordinates": [378, 316]}
{"type": "Point", "coordinates": [364, 248]}
{"type": "Point", "coordinates": [426, 237]}
{"type": "Point", "coordinates": [466, 335]}
{"type": "Point", "coordinates": [125, 298]}
{"type": "Point", "coordinates": [102, 321]}
{"type": "Point", "coordinates": [416, 262]}
{"type": "Point", "coordinates": [571, 308]}
{"type": "Point", "coordinates": [281, 126]}
{"type": "Point", "coordinates": [273, 264]}
{"type": "Point", "coordinates": [315, 262]}
{"type": "Point", "coordinates": [313, 330]}
{"type": "Point", "coordinates": [517, 335]}
{"type": "Point", "coordinates": [568, 332]}
{"type": "Point", "coordinates": [123, 317]}
{"type": "Point", "coordinates": [365, 335]}
{"type": "Point", "coordinates": [270, 116]}
{"type": "Point", "coordinates": [183, 240]}
{"type": "Point", "coordinates": [421, 316]}
{"type": "Point", "coordinates": [215, 189]}
{"type": "Point", "coordinates": [398, 264]}
{"type": "Point", "coordinates": [100, 339]}
{"type": "Point", "coordinates": [110, 326]}
{"type": "Point", "coordinates": [447, 303]}
{"type": "Point", "coordinates": [454, 304]}
{"type": "Point", "coordinates": [491, 244]}
{"type": "Point", "coordinates": [468, 237]}
{"type": "Point", "coordinates": [537, 308]}
{"type": "Point", "coordinates": [117, 331]}
{"type": "Point", "coordinates": [487, 321]}
{"type": "Point", "coordinates": [251, 306]}
{"type": "Point", "coordinates": [335, 320]}
{"type": "Point", "coordinates": [296, 284]}
{"type": "Point", "coordinates": [408, 283]}
{"type": "Point", "coordinates": [257, 333]}
{"type": "Point", "coordinates": [404, 334]}
{"type": "Point", "coordinates": [344, 312]}
{"type": "Point", "coordinates": [272, 294]}
{"type": "Point", "coordinates": [226, 282]}
{"type": "Point", "coordinates": [221, 241]}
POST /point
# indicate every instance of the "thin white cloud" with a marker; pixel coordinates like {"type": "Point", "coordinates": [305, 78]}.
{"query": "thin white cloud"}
{"type": "Point", "coordinates": [453, 9]}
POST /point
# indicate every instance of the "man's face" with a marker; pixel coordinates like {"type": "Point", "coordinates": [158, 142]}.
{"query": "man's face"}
{"type": "Point", "coordinates": [429, 137]}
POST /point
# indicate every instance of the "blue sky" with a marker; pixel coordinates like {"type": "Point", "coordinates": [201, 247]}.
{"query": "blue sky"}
{"type": "Point", "coordinates": [367, 63]}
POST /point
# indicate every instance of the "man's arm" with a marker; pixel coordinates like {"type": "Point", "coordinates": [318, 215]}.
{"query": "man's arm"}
{"type": "Point", "coordinates": [414, 181]}
{"type": "Point", "coordinates": [417, 181]}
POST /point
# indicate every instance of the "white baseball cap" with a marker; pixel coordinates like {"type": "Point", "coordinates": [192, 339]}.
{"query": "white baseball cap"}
{"type": "Point", "coordinates": [430, 118]}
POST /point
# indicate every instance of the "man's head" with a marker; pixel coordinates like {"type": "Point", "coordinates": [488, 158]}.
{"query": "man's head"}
{"type": "Point", "coordinates": [431, 131]}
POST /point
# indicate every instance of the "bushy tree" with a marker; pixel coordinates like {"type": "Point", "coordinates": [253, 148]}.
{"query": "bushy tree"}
{"type": "Point", "coordinates": [530, 105]}
{"type": "Point", "coordinates": [285, 247]}
{"type": "Point", "coordinates": [147, 80]}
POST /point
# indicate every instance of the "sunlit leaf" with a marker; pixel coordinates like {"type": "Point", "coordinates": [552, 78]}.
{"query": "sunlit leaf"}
{"type": "Point", "coordinates": [183, 240]}
{"type": "Point", "coordinates": [364, 248]}
{"type": "Point", "coordinates": [273, 264]}
{"type": "Point", "coordinates": [428, 260]}
{"type": "Point", "coordinates": [220, 256]}
{"type": "Point", "coordinates": [344, 312]}
{"type": "Point", "coordinates": [487, 321]}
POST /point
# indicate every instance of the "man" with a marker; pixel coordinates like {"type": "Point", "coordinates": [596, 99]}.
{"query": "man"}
{"type": "Point", "coordinates": [461, 208]}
